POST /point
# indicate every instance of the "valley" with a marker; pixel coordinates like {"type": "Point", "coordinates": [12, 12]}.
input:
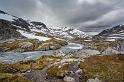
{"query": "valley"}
{"type": "Point", "coordinates": [31, 51]}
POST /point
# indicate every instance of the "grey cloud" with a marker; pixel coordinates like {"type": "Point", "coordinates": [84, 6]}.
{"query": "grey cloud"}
{"type": "Point", "coordinates": [18, 7]}
{"type": "Point", "coordinates": [86, 15]}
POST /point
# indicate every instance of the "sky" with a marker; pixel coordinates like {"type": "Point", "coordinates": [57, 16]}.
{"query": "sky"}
{"type": "Point", "coordinates": [86, 15]}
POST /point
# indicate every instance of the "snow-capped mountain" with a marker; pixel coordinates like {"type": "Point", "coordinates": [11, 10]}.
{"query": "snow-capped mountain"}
{"type": "Point", "coordinates": [28, 28]}
{"type": "Point", "coordinates": [113, 33]}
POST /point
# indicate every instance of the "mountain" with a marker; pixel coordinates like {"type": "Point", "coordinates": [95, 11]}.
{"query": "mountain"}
{"type": "Point", "coordinates": [15, 27]}
{"type": "Point", "coordinates": [113, 33]}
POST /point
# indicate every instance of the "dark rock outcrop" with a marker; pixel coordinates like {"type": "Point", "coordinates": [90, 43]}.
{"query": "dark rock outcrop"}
{"type": "Point", "coordinates": [8, 31]}
{"type": "Point", "coordinates": [114, 30]}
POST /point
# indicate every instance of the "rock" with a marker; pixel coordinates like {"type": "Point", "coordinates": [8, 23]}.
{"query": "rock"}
{"type": "Point", "coordinates": [55, 46]}
{"type": "Point", "coordinates": [110, 51]}
{"type": "Point", "coordinates": [18, 50]}
{"type": "Point", "coordinates": [93, 80]}
{"type": "Point", "coordinates": [8, 31]}
{"type": "Point", "coordinates": [48, 46]}
{"type": "Point", "coordinates": [44, 47]}
{"type": "Point", "coordinates": [26, 45]}
{"type": "Point", "coordinates": [8, 69]}
{"type": "Point", "coordinates": [69, 79]}
{"type": "Point", "coordinates": [78, 71]}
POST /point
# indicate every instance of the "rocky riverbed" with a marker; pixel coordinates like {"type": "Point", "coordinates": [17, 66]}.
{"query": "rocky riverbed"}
{"type": "Point", "coordinates": [71, 63]}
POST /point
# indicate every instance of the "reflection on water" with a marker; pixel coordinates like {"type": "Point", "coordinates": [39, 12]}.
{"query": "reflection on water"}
{"type": "Point", "coordinates": [11, 57]}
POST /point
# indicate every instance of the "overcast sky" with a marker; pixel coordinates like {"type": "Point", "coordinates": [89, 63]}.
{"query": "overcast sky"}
{"type": "Point", "coordinates": [82, 14]}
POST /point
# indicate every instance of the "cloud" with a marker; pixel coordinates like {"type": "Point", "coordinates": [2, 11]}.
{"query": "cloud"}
{"type": "Point", "coordinates": [85, 14]}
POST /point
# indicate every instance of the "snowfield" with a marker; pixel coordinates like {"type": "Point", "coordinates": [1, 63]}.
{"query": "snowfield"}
{"type": "Point", "coordinates": [31, 36]}
{"type": "Point", "coordinates": [6, 17]}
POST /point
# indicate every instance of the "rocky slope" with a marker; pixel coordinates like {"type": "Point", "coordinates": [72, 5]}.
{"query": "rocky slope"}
{"type": "Point", "coordinates": [19, 35]}
{"type": "Point", "coordinates": [19, 26]}
{"type": "Point", "coordinates": [113, 33]}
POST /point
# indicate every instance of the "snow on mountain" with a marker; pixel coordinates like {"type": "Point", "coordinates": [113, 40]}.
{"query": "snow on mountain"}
{"type": "Point", "coordinates": [33, 36]}
{"type": "Point", "coordinates": [66, 32]}
{"type": "Point", "coordinates": [6, 17]}
{"type": "Point", "coordinates": [113, 33]}
{"type": "Point", "coordinates": [33, 27]}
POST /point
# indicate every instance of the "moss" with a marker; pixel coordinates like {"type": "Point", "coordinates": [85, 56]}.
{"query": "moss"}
{"type": "Point", "coordinates": [57, 71]}
{"type": "Point", "coordinates": [19, 45]}
{"type": "Point", "coordinates": [57, 41]}
{"type": "Point", "coordinates": [107, 68]}
{"type": "Point", "coordinates": [45, 60]}
{"type": "Point", "coordinates": [39, 34]}
{"type": "Point", "coordinates": [13, 72]}
{"type": "Point", "coordinates": [6, 77]}
{"type": "Point", "coordinates": [8, 68]}
{"type": "Point", "coordinates": [9, 46]}
{"type": "Point", "coordinates": [23, 66]}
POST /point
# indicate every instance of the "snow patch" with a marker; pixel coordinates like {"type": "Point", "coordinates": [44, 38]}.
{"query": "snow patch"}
{"type": "Point", "coordinates": [6, 17]}
{"type": "Point", "coordinates": [31, 36]}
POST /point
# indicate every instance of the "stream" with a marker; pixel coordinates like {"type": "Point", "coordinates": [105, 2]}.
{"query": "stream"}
{"type": "Point", "coordinates": [12, 57]}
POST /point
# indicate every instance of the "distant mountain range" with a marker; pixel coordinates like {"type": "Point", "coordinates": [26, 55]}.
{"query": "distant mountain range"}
{"type": "Point", "coordinates": [15, 27]}
{"type": "Point", "coordinates": [114, 33]}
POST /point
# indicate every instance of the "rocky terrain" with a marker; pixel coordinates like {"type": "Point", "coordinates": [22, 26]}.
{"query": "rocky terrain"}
{"type": "Point", "coordinates": [113, 33]}
{"type": "Point", "coordinates": [36, 28]}
{"type": "Point", "coordinates": [15, 30]}
{"type": "Point", "coordinates": [30, 51]}
{"type": "Point", "coordinates": [56, 69]}
{"type": "Point", "coordinates": [25, 45]}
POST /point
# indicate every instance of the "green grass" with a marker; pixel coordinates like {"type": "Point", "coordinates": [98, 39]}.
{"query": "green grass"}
{"type": "Point", "coordinates": [13, 72]}
{"type": "Point", "coordinates": [107, 68]}
{"type": "Point", "coordinates": [6, 77]}
{"type": "Point", "coordinates": [56, 71]}
{"type": "Point", "coordinates": [15, 45]}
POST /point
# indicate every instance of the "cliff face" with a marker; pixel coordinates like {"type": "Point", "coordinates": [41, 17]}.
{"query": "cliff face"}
{"type": "Point", "coordinates": [8, 31]}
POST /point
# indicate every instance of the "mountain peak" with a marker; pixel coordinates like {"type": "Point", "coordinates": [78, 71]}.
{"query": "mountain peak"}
{"type": "Point", "coordinates": [2, 12]}
{"type": "Point", "coordinates": [115, 32]}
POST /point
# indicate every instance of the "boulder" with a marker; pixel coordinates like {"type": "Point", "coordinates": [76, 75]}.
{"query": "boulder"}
{"type": "Point", "coordinates": [93, 80]}
{"type": "Point", "coordinates": [55, 46]}
{"type": "Point", "coordinates": [69, 79]}
{"type": "Point", "coordinates": [26, 45]}
{"type": "Point", "coordinates": [18, 50]}
{"type": "Point", "coordinates": [48, 46]}
{"type": "Point", "coordinates": [110, 51]}
{"type": "Point", "coordinates": [43, 48]}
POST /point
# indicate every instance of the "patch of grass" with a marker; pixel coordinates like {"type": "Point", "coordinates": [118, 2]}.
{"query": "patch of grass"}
{"type": "Point", "coordinates": [12, 72]}
{"type": "Point", "coordinates": [23, 66]}
{"type": "Point", "coordinates": [8, 68]}
{"type": "Point", "coordinates": [58, 71]}
{"type": "Point", "coordinates": [9, 46]}
{"type": "Point", "coordinates": [6, 77]}
{"type": "Point", "coordinates": [108, 68]}
{"type": "Point", "coordinates": [45, 60]}
{"type": "Point", "coordinates": [24, 45]}
{"type": "Point", "coordinates": [57, 41]}
{"type": "Point", "coordinates": [39, 34]}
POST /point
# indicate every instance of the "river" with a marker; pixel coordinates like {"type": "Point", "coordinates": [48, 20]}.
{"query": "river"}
{"type": "Point", "coordinates": [12, 57]}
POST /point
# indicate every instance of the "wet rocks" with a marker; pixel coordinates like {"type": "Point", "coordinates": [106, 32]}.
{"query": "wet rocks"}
{"type": "Point", "coordinates": [110, 51]}
{"type": "Point", "coordinates": [69, 79]}
{"type": "Point", "coordinates": [48, 46]}
{"type": "Point", "coordinates": [52, 44]}
{"type": "Point", "coordinates": [94, 80]}
{"type": "Point", "coordinates": [26, 45]}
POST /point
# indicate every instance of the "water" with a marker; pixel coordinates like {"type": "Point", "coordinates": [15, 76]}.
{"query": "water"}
{"type": "Point", "coordinates": [12, 57]}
